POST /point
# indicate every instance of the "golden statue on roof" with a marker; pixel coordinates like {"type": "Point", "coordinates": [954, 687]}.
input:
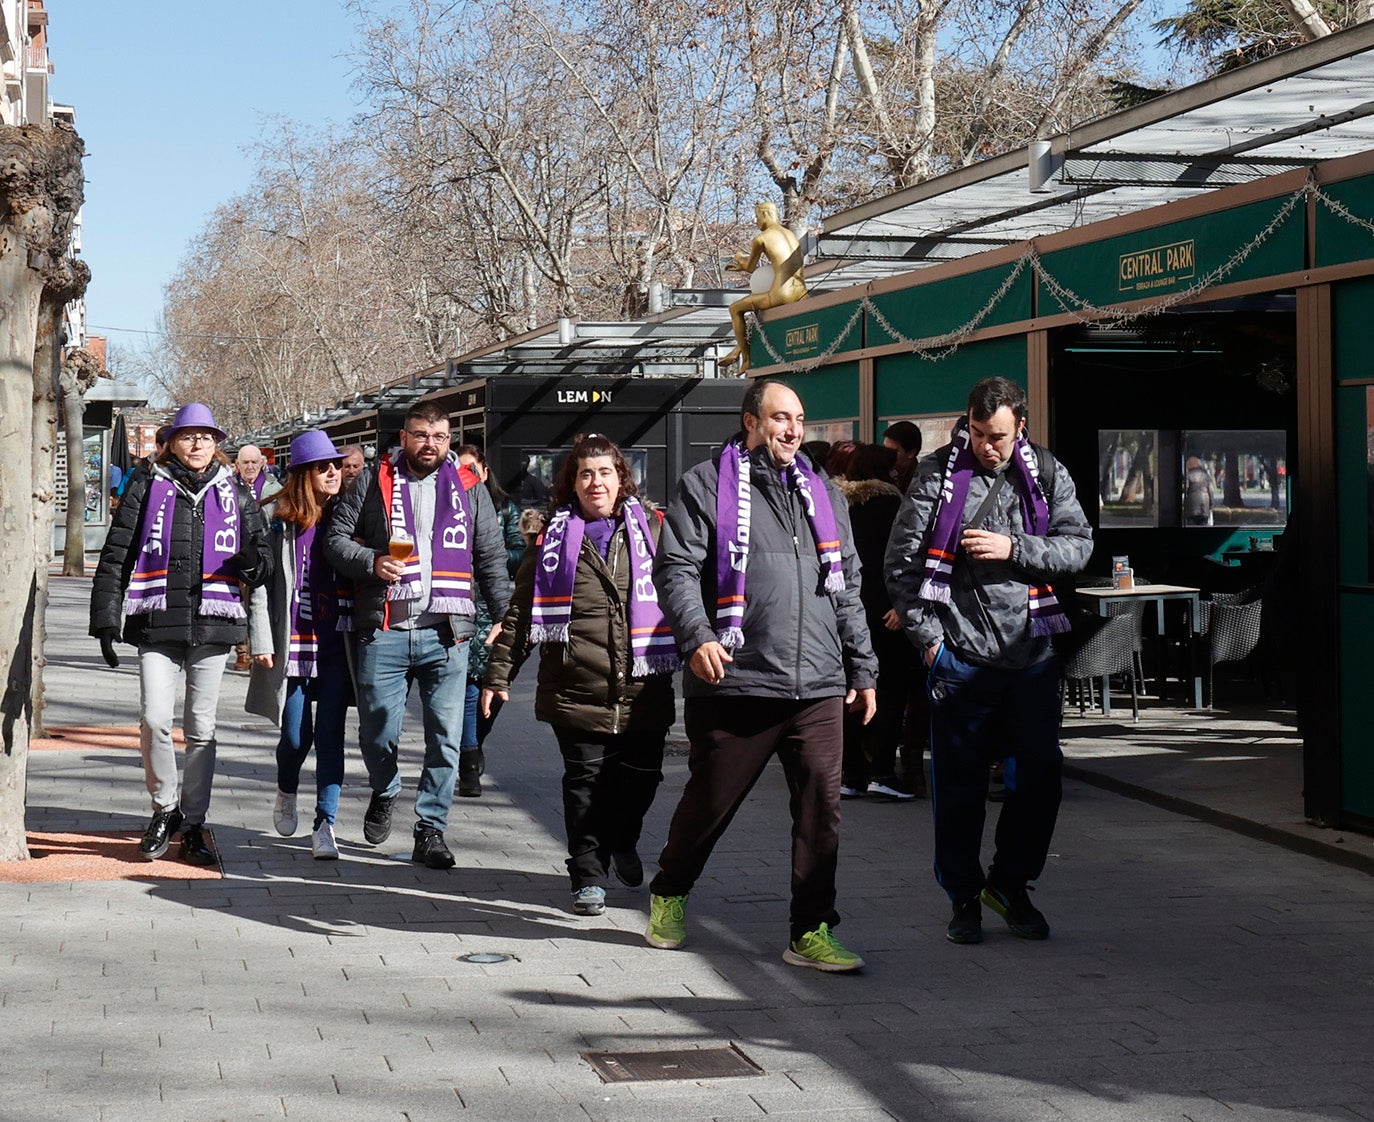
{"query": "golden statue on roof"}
{"type": "Point", "coordinates": [780, 280]}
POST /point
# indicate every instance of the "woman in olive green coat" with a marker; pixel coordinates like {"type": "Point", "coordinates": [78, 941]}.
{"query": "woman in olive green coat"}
{"type": "Point", "coordinates": [606, 666]}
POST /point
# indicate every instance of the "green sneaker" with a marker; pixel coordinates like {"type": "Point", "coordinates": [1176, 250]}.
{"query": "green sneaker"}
{"type": "Point", "coordinates": [820, 950]}
{"type": "Point", "coordinates": [667, 922]}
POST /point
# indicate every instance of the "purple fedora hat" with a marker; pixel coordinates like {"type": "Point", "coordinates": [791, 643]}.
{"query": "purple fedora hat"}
{"type": "Point", "coordinates": [311, 447]}
{"type": "Point", "coordinates": [195, 416]}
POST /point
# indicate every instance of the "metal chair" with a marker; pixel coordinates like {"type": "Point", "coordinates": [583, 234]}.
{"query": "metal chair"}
{"type": "Point", "coordinates": [1232, 627]}
{"type": "Point", "coordinates": [1112, 647]}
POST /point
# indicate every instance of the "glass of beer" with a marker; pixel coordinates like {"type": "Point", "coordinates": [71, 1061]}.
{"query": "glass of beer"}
{"type": "Point", "coordinates": [401, 545]}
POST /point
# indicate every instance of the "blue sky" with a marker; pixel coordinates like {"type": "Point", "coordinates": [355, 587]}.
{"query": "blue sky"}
{"type": "Point", "coordinates": [167, 94]}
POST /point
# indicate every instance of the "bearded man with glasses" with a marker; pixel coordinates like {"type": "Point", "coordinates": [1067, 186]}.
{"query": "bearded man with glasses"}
{"type": "Point", "coordinates": [411, 534]}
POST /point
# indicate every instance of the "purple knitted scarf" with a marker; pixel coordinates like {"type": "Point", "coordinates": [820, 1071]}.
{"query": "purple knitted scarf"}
{"type": "Point", "coordinates": [450, 551]}
{"type": "Point", "coordinates": [1047, 615]}
{"type": "Point", "coordinates": [311, 604]}
{"type": "Point", "coordinates": [219, 587]}
{"type": "Point", "coordinates": [733, 499]}
{"type": "Point", "coordinates": [651, 640]}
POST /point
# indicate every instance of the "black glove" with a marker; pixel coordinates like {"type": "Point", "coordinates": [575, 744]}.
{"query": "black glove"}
{"type": "Point", "coordinates": [245, 558]}
{"type": "Point", "coordinates": [108, 637]}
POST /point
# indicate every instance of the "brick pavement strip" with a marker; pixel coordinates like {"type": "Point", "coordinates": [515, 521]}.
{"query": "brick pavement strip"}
{"type": "Point", "coordinates": [1193, 974]}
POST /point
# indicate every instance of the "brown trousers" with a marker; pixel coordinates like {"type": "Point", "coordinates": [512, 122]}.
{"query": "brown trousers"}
{"type": "Point", "coordinates": [732, 740]}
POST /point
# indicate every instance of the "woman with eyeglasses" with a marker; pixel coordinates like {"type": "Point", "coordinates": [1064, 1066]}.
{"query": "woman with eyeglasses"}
{"type": "Point", "coordinates": [584, 594]}
{"type": "Point", "coordinates": [185, 539]}
{"type": "Point", "coordinates": [300, 678]}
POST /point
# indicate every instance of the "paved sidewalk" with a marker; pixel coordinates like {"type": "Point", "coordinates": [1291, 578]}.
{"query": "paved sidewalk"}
{"type": "Point", "coordinates": [1194, 973]}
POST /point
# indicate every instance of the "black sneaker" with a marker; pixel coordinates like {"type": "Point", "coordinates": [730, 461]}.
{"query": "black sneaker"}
{"type": "Point", "coordinates": [966, 925]}
{"type": "Point", "coordinates": [430, 849]}
{"type": "Point", "coordinates": [471, 764]}
{"type": "Point", "coordinates": [158, 836]}
{"type": "Point", "coordinates": [1014, 906]}
{"type": "Point", "coordinates": [377, 819]}
{"type": "Point", "coordinates": [194, 849]}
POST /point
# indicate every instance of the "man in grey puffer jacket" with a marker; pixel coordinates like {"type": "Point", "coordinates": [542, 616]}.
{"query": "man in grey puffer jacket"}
{"type": "Point", "coordinates": [777, 680]}
{"type": "Point", "coordinates": [972, 589]}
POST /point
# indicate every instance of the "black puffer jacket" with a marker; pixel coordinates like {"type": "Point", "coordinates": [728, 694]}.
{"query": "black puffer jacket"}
{"type": "Point", "coordinates": [585, 683]}
{"type": "Point", "coordinates": [179, 621]}
{"type": "Point", "coordinates": [873, 506]}
{"type": "Point", "coordinates": [356, 534]}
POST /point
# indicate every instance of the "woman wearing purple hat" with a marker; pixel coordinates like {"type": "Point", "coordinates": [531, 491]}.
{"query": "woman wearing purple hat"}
{"type": "Point", "coordinates": [299, 679]}
{"type": "Point", "coordinates": [184, 538]}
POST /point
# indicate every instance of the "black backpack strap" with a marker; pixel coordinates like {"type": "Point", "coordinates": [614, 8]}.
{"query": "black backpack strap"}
{"type": "Point", "coordinates": [1043, 461]}
{"type": "Point", "coordinates": [980, 515]}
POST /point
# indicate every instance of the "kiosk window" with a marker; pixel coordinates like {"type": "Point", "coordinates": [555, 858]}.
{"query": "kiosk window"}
{"type": "Point", "coordinates": [1128, 477]}
{"type": "Point", "coordinates": [1239, 476]}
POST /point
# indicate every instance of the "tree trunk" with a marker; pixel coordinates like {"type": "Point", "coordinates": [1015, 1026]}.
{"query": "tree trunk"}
{"type": "Point", "coordinates": [47, 358]}
{"type": "Point", "coordinates": [1140, 480]}
{"type": "Point", "coordinates": [20, 287]}
{"type": "Point", "coordinates": [1306, 19]}
{"type": "Point", "coordinates": [1230, 483]}
{"type": "Point", "coordinates": [77, 375]}
{"type": "Point", "coordinates": [40, 194]}
{"type": "Point", "coordinates": [74, 551]}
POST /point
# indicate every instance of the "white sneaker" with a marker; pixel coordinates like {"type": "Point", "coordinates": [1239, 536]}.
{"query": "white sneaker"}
{"type": "Point", "coordinates": [323, 847]}
{"type": "Point", "coordinates": [284, 814]}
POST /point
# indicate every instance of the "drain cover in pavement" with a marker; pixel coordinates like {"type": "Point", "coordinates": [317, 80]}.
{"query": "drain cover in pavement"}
{"type": "Point", "coordinates": [688, 1063]}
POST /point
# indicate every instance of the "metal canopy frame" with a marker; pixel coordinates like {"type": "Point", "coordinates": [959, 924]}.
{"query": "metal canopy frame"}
{"type": "Point", "coordinates": [1306, 105]}
{"type": "Point", "coordinates": [684, 341]}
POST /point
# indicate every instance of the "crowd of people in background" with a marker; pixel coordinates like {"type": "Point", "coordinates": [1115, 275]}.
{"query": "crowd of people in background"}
{"type": "Point", "coordinates": [829, 605]}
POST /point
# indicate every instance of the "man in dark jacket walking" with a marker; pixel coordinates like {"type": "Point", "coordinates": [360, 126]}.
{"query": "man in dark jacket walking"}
{"type": "Point", "coordinates": [411, 534]}
{"type": "Point", "coordinates": [988, 521]}
{"type": "Point", "coordinates": [758, 578]}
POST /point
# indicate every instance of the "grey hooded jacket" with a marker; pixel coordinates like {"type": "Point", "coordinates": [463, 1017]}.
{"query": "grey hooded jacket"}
{"type": "Point", "coordinates": [987, 619]}
{"type": "Point", "coordinates": [800, 642]}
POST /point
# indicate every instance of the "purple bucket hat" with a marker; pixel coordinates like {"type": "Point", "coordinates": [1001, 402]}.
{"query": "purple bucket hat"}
{"type": "Point", "coordinates": [311, 447]}
{"type": "Point", "coordinates": [195, 416]}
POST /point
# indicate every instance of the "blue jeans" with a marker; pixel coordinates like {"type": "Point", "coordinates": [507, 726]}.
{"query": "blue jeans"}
{"type": "Point", "coordinates": [388, 662]}
{"type": "Point", "coordinates": [321, 726]}
{"type": "Point", "coordinates": [476, 726]}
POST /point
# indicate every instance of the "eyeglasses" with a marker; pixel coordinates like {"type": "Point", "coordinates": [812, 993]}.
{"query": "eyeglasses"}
{"type": "Point", "coordinates": [327, 465]}
{"type": "Point", "coordinates": [428, 437]}
{"type": "Point", "coordinates": [191, 439]}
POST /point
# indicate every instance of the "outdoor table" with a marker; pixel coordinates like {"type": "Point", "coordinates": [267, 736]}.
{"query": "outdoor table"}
{"type": "Point", "coordinates": [1103, 598]}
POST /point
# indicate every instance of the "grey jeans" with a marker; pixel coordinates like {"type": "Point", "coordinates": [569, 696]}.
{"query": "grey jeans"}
{"type": "Point", "coordinates": [158, 666]}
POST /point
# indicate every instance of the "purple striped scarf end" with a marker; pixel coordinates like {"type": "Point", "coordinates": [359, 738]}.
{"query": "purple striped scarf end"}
{"type": "Point", "coordinates": [144, 604]}
{"type": "Point", "coordinates": [731, 638]}
{"type": "Point", "coordinates": [549, 633]}
{"type": "Point", "coordinates": [452, 606]}
{"type": "Point", "coordinates": [934, 590]}
{"type": "Point", "coordinates": [655, 664]}
{"type": "Point", "coordinates": [222, 609]}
